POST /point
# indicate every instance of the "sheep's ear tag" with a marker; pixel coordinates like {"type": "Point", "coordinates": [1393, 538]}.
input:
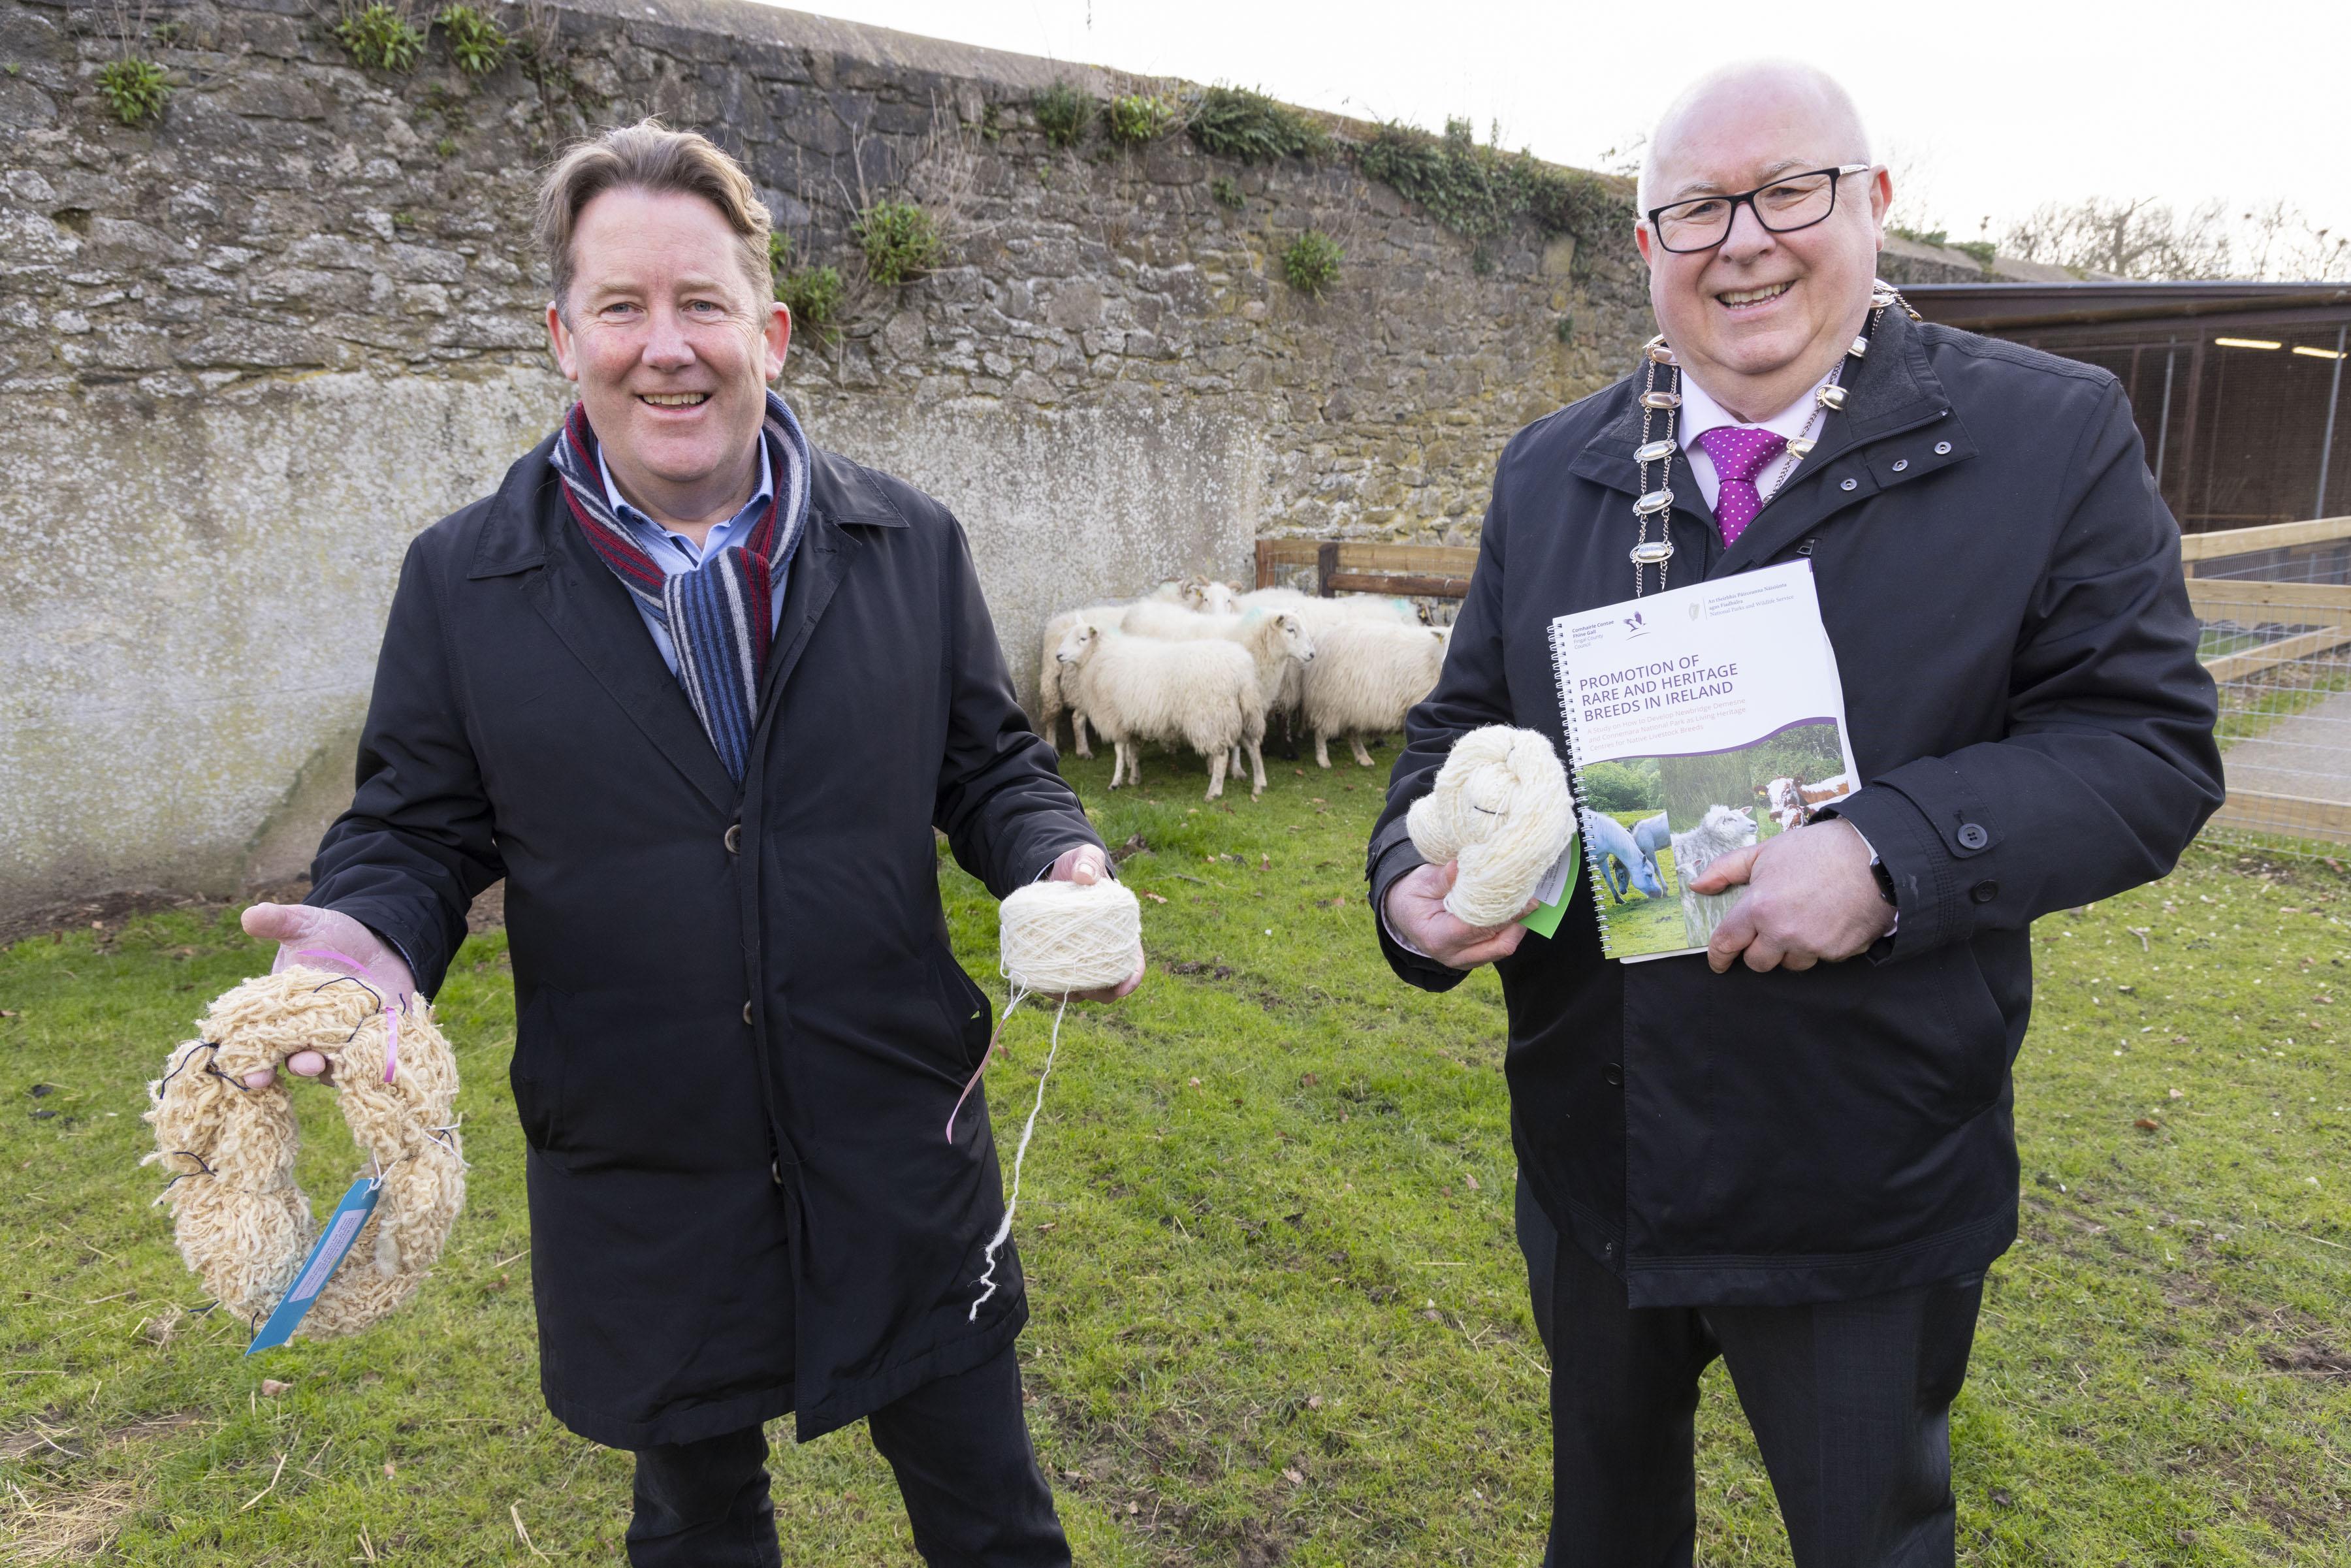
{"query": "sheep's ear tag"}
{"type": "Point", "coordinates": [1556, 888]}
{"type": "Point", "coordinates": [334, 1238]}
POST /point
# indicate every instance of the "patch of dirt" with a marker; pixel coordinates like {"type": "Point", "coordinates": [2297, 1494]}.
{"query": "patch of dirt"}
{"type": "Point", "coordinates": [2311, 1357]}
{"type": "Point", "coordinates": [108, 912]}
{"type": "Point", "coordinates": [109, 909]}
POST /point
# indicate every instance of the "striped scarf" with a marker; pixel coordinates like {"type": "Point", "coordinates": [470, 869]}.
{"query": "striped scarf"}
{"type": "Point", "coordinates": [720, 616]}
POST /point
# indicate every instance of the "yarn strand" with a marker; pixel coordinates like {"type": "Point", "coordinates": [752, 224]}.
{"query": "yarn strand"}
{"type": "Point", "coordinates": [1054, 940]}
{"type": "Point", "coordinates": [1028, 1130]}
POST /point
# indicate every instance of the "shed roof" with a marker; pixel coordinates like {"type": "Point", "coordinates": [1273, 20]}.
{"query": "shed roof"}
{"type": "Point", "coordinates": [2005, 308]}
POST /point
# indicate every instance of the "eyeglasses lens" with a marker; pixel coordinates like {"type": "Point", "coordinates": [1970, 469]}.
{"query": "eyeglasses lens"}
{"type": "Point", "coordinates": [1789, 205]}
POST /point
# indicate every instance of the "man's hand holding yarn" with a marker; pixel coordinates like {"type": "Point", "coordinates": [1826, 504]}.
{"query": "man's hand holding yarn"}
{"type": "Point", "coordinates": [1085, 866]}
{"type": "Point", "coordinates": [1415, 912]}
{"type": "Point", "coordinates": [298, 926]}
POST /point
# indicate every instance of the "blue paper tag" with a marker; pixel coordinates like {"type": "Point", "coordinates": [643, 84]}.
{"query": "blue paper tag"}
{"type": "Point", "coordinates": [334, 1238]}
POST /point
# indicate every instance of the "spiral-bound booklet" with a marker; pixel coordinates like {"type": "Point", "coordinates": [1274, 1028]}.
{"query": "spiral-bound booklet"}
{"type": "Point", "coordinates": [1699, 721]}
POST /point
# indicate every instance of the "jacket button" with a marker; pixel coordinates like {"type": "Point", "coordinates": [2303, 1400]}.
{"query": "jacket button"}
{"type": "Point", "coordinates": [734, 838]}
{"type": "Point", "coordinates": [1942, 449]}
{"type": "Point", "coordinates": [1608, 1249]}
{"type": "Point", "coordinates": [746, 1012]}
{"type": "Point", "coordinates": [1850, 485]}
{"type": "Point", "coordinates": [1900, 463]}
{"type": "Point", "coordinates": [1984, 892]}
{"type": "Point", "coordinates": [1613, 1072]}
{"type": "Point", "coordinates": [1972, 836]}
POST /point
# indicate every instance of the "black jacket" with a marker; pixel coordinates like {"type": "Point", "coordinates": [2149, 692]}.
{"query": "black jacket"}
{"type": "Point", "coordinates": [2002, 584]}
{"type": "Point", "coordinates": [737, 1050]}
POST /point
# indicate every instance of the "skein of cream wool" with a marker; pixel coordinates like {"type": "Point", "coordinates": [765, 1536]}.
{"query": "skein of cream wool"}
{"type": "Point", "coordinates": [1501, 806]}
{"type": "Point", "coordinates": [1053, 938]}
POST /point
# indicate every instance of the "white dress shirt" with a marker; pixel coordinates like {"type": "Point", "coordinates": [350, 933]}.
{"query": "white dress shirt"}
{"type": "Point", "coordinates": [1699, 414]}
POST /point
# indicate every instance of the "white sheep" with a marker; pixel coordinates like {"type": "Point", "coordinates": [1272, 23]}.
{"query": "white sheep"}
{"type": "Point", "coordinates": [1317, 613]}
{"type": "Point", "coordinates": [1210, 597]}
{"type": "Point", "coordinates": [1365, 676]}
{"type": "Point", "coordinates": [1278, 644]}
{"type": "Point", "coordinates": [1201, 693]}
{"type": "Point", "coordinates": [1056, 688]}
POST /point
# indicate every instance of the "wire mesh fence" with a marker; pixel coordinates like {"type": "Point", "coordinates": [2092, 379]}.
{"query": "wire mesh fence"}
{"type": "Point", "coordinates": [2276, 624]}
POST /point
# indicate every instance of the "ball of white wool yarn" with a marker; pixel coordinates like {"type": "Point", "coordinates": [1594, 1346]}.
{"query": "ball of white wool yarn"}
{"type": "Point", "coordinates": [1055, 938]}
{"type": "Point", "coordinates": [1501, 806]}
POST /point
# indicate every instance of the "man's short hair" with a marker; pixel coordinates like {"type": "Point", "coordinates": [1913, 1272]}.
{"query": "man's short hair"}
{"type": "Point", "coordinates": [648, 156]}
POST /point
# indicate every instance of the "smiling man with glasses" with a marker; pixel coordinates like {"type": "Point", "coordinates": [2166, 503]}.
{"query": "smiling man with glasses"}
{"type": "Point", "coordinates": [1800, 1164]}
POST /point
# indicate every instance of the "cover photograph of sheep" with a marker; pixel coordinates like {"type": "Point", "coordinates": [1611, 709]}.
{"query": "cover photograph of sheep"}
{"type": "Point", "coordinates": [1655, 823]}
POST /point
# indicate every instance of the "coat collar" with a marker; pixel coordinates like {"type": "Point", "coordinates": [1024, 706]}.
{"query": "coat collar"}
{"type": "Point", "coordinates": [1894, 390]}
{"type": "Point", "coordinates": [529, 533]}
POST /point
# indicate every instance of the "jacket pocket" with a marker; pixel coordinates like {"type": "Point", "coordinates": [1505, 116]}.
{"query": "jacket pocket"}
{"type": "Point", "coordinates": [970, 1015]}
{"type": "Point", "coordinates": [1980, 1067]}
{"type": "Point", "coordinates": [536, 1074]}
{"type": "Point", "coordinates": [641, 1081]}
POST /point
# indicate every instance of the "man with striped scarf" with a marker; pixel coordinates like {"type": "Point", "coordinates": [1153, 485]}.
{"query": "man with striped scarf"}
{"type": "Point", "coordinates": [699, 692]}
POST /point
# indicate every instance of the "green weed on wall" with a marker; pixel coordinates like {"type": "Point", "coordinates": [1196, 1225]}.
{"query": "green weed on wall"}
{"type": "Point", "coordinates": [381, 38]}
{"type": "Point", "coordinates": [901, 240]}
{"type": "Point", "coordinates": [134, 88]}
{"type": "Point", "coordinates": [1479, 191]}
{"type": "Point", "coordinates": [476, 42]}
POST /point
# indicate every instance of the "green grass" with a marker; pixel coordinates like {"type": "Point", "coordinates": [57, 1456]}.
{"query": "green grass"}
{"type": "Point", "coordinates": [1278, 1313]}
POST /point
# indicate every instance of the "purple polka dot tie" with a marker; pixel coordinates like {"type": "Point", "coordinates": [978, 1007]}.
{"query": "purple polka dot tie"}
{"type": "Point", "coordinates": [1739, 453]}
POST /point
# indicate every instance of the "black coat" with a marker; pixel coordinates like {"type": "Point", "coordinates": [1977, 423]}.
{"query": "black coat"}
{"type": "Point", "coordinates": [2002, 584]}
{"type": "Point", "coordinates": [737, 1050]}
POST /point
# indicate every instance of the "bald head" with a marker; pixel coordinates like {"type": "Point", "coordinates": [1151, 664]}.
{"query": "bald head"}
{"type": "Point", "coordinates": [1791, 102]}
{"type": "Point", "coordinates": [1757, 313]}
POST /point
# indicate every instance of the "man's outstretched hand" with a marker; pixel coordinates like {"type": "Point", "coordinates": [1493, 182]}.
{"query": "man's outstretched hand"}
{"type": "Point", "coordinates": [1415, 912]}
{"type": "Point", "coordinates": [1085, 866]}
{"type": "Point", "coordinates": [297, 927]}
{"type": "Point", "coordinates": [1811, 899]}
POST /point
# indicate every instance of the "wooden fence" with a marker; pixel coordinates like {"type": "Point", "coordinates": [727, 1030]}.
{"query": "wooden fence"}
{"type": "Point", "coordinates": [2278, 650]}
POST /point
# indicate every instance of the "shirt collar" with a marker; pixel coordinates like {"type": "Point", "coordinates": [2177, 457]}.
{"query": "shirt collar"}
{"type": "Point", "coordinates": [1702, 413]}
{"type": "Point", "coordinates": [632, 516]}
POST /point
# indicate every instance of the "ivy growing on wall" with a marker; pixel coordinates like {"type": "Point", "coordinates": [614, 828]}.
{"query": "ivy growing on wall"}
{"type": "Point", "coordinates": [1250, 126]}
{"type": "Point", "coordinates": [1479, 191]}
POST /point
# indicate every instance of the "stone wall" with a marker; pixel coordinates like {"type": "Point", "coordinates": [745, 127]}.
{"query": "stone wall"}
{"type": "Point", "coordinates": [250, 349]}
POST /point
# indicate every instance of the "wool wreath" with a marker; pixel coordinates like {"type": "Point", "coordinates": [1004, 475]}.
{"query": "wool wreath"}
{"type": "Point", "coordinates": [240, 1221]}
{"type": "Point", "coordinates": [1501, 807]}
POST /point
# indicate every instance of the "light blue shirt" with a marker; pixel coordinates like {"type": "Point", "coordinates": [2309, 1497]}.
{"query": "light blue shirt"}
{"type": "Point", "coordinates": [674, 553]}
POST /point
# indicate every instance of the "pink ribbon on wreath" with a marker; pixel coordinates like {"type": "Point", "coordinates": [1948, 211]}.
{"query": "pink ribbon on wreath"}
{"type": "Point", "coordinates": [391, 1013]}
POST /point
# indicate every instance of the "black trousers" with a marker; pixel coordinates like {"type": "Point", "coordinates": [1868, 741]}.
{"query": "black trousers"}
{"type": "Point", "coordinates": [1850, 1402]}
{"type": "Point", "coordinates": [959, 1446]}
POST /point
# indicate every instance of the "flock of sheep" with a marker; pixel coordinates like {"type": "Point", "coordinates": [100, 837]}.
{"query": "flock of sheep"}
{"type": "Point", "coordinates": [1201, 664]}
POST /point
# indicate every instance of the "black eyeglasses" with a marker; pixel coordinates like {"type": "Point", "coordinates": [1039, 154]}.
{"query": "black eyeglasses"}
{"type": "Point", "coordinates": [1788, 203]}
